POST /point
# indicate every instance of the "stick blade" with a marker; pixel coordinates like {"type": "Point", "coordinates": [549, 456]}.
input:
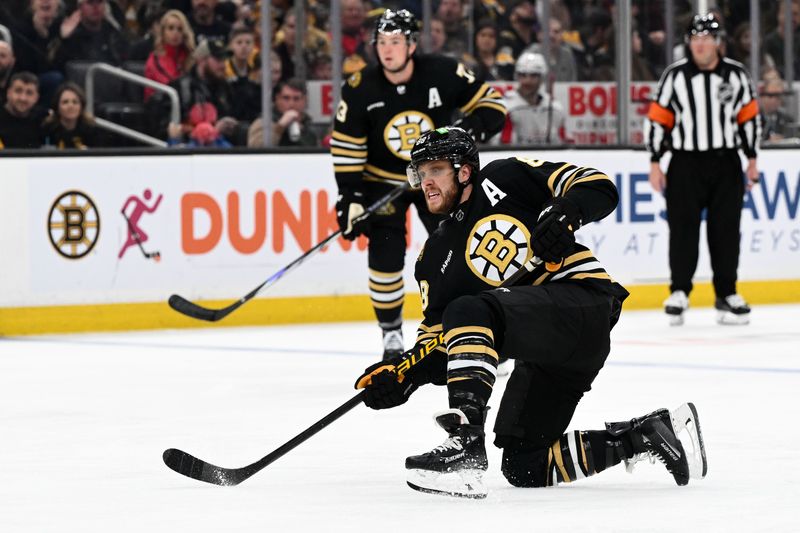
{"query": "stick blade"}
{"type": "Point", "coordinates": [190, 466]}
{"type": "Point", "coordinates": [190, 309]}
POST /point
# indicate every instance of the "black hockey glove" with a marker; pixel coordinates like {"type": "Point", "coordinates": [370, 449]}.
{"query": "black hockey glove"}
{"type": "Point", "coordinates": [350, 213]}
{"type": "Point", "coordinates": [472, 125]}
{"type": "Point", "coordinates": [554, 234]}
{"type": "Point", "coordinates": [381, 388]}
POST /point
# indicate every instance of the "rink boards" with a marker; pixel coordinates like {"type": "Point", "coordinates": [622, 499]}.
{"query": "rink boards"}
{"type": "Point", "coordinates": [212, 227]}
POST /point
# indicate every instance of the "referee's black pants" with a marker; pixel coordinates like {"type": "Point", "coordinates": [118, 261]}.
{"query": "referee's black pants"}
{"type": "Point", "coordinates": [696, 181]}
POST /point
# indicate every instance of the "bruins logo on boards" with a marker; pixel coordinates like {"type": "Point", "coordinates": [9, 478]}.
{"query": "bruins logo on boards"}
{"type": "Point", "coordinates": [73, 224]}
{"type": "Point", "coordinates": [403, 130]}
{"type": "Point", "coordinates": [498, 246]}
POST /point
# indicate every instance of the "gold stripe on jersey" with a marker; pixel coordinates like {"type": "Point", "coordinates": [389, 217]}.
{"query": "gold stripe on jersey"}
{"type": "Point", "coordinates": [348, 153]}
{"type": "Point", "coordinates": [347, 138]}
{"type": "Point", "coordinates": [580, 256]}
{"type": "Point", "coordinates": [473, 103]}
{"type": "Point", "coordinates": [591, 177]}
{"type": "Point", "coordinates": [468, 329]}
{"type": "Point", "coordinates": [595, 275]}
{"type": "Point", "coordinates": [555, 175]}
{"type": "Point", "coordinates": [348, 168]}
{"type": "Point", "coordinates": [497, 107]}
{"type": "Point", "coordinates": [473, 348]}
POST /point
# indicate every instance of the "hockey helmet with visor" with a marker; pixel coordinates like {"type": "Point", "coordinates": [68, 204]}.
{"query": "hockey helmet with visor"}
{"type": "Point", "coordinates": [449, 143]}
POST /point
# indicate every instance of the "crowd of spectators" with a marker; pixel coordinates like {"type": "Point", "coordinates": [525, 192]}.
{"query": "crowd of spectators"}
{"type": "Point", "coordinates": [208, 50]}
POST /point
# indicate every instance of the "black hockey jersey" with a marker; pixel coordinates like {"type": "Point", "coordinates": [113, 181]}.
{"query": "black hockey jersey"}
{"type": "Point", "coordinates": [488, 237]}
{"type": "Point", "coordinates": [377, 123]}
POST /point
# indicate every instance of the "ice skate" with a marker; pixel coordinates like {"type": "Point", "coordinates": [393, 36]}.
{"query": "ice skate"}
{"type": "Point", "coordinates": [456, 467]}
{"type": "Point", "coordinates": [392, 343]}
{"type": "Point", "coordinates": [675, 306]}
{"type": "Point", "coordinates": [658, 436]}
{"type": "Point", "coordinates": [732, 310]}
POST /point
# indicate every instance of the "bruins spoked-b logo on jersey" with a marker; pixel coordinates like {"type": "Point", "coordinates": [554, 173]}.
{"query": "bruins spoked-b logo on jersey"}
{"type": "Point", "coordinates": [403, 130]}
{"type": "Point", "coordinates": [73, 224]}
{"type": "Point", "coordinates": [498, 246]}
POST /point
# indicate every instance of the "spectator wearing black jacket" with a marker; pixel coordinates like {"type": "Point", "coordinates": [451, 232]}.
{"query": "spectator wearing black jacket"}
{"type": "Point", "coordinates": [7, 61]}
{"type": "Point", "coordinates": [207, 25]}
{"type": "Point", "coordinates": [89, 35]}
{"type": "Point", "coordinates": [20, 118]}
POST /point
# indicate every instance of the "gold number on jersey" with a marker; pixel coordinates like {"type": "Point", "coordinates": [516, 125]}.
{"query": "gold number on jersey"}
{"type": "Point", "coordinates": [341, 111]}
{"type": "Point", "coordinates": [531, 162]}
{"type": "Point", "coordinates": [464, 72]}
{"type": "Point", "coordinates": [423, 293]}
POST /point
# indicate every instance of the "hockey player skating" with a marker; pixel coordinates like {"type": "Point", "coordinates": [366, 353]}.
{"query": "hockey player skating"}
{"type": "Point", "coordinates": [554, 321]}
{"type": "Point", "coordinates": [383, 110]}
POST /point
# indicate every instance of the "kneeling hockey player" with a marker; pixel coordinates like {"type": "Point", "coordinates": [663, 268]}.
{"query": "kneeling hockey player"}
{"type": "Point", "coordinates": [554, 321]}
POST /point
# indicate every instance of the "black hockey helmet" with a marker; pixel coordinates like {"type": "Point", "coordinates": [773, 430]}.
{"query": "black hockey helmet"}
{"type": "Point", "coordinates": [704, 25]}
{"type": "Point", "coordinates": [451, 143]}
{"type": "Point", "coordinates": [402, 21]}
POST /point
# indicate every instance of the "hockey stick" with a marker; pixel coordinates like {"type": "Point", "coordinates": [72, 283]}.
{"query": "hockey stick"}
{"type": "Point", "coordinates": [135, 234]}
{"type": "Point", "coordinates": [190, 466]}
{"type": "Point", "coordinates": [191, 309]}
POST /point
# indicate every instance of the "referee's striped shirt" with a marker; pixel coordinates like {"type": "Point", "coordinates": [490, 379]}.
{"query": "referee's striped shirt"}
{"type": "Point", "coordinates": [698, 111]}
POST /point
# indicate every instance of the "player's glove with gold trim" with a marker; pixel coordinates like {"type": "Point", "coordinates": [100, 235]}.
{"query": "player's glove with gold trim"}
{"type": "Point", "coordinates": [383, 388]}
{"type": "Point", "coordinates": [553, 237]}
{"type": "Point", "coordinates": [350, 213]}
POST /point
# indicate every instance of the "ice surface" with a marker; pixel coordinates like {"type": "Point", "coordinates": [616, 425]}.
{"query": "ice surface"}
{"type": "Point", "coordinates": [85, 418]}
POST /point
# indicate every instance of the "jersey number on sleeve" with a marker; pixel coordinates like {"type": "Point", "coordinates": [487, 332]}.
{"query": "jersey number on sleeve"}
{"type": "Point", "coordinates": [341, 111]}
{"type": "Point", "coordinates": [423, 293]}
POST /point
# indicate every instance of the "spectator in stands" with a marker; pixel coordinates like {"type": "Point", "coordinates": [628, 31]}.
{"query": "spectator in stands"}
{"type": "Point", "coordinates": [35, 39]}
{"type": "Point", "coordinates": [91, 34]}
{"type": "Point", "coordinates": [150, 18]}
{"type": "Point", "coordinates": [316, 41]}
{"type": "Point", "coordinates": [205, 83]}
{"type": "Point", "coordinates": [20, 117]}
{"type": "Point", "coordinates": [775, 123]}
{"type": "Point", "coordinates": [533, 117]}
{"type": "Point", "coordinates": [173, 50]}
{"type": "Point", "coordinates": [641, 70]}
{"type": "Point", "coordinates": [773, 41]}
{"type": "Point", "coordinates": [206, 22]}
{"type": "Point", "coordinates": [291, 124]}
{"type": "Point", "coordinates": [69, 126]}
{"type": "Point", "coordinates": [35, 33]}
{"type": "Point", "coordinates": [489, 64]}
{"type": "Point", "coordinates": [739, 48]}
{"type": "Point", "coordinates": [320, 67]}
{"type": "Point", "coordinates": [561, 61]}
{"type": "Point", "coordinates": [241, 63]}
{"type": "Point", "coordinates": [7, 61]}
{"type": "Point", "coordinates": [520, 32]}
{"type": "Point", "coordinates": [451, 13]}
{"type": "Point", "coordinates": [243, 72]}
{"type": "Point", "coordinates": [438, 36]}
{"type": "Point", "coordinates": [365, 52]}
{"type": "Point", "coordinates": [354, 13]}
{"type": "Point", "coordinates": [594, 59]}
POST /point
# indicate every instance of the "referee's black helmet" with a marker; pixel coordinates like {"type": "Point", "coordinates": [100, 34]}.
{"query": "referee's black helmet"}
{"type": "Point", "coordinates": [704, 25]}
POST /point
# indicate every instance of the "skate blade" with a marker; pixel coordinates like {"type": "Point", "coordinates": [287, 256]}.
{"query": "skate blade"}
{"type": "Point", "coordinates": [726, 318]}
{"type": "Point", "coordinates": [685, 418]}
{"type": "Point", "coordinates": [463, 484]}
